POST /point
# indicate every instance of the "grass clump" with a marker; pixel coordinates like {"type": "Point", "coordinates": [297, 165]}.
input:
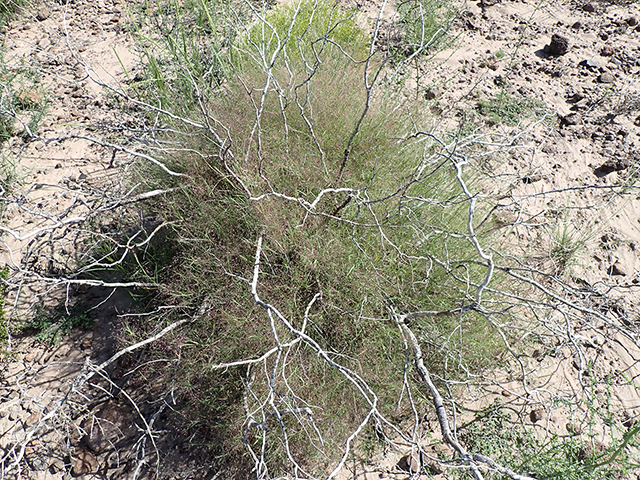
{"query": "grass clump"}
{"type": "Point", "coordinates": [424, 25]}
{"type": "Point", "coordinates": [9, 9]}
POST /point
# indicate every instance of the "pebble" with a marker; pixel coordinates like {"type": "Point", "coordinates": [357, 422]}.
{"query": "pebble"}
{"type": "Point", "coordinates": [606, 77]}
{"type": "Point", "coordinates": [43, 14]}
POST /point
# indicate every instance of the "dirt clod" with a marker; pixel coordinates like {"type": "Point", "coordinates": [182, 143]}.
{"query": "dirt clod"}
{"type": "Point", "coordinates": [617, 269]}
{"type": "Point", "coordinates": [607, 51]}
{"type": "Point", "coordinates": [410, 463]}
{"type": "Point", "coordinates": [559, 45]}
{"type": "Point", "coordinates": [537, 415]}
{"type": "Point", "coordinates": [84, 462]}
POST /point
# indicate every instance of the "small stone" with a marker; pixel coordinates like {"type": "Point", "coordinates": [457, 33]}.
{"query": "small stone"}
{"type": "Point", "coordinates": [410, 463]}
{"type": "Point", "coordinates": [607, 51]}
{"type": "Point", "coordinates": [506, 393]}
{"type": "Point", "coordinates": [32, 419]}
{"type": "Point", "coordinates": [606, 77]}
{"type": "Point", "coordinates": [632, 21]}
{"type": "Point", "coordinates": [43, 14]}
{"type": "Point", "coordinates": [590, 64]}
{"type": "Point", "coordinates": [86, 344]}
{"type": "Point", "coordinates": [571, 119]}
{"type": "Point", "coordinates": [27, 98]}
{"type": "Point", "coordinates": [434, 467]}
{"type": "Point", "coordinates": [537, 415]}
{"type": "Point", "coordinates": [589, 7]}
{"type": "Point", "coordinates": [56, 465]}
{"type": "Point", "coordinates": [431, 94]}
{"type": "Point", "coordinates": [577, 25]}
{"type": "Point", "coordinates": [529, 179]}
{"type": "Point", "coordinates": [604, 36]}
{"type": "Point", "coordinates": [617, 270]}
{"type": "Point", "coordinates": [84, 462]}
{"type": "Point", "coordinates": [559, 45]}
{"type": "Point", "coordinates": [29, 357]}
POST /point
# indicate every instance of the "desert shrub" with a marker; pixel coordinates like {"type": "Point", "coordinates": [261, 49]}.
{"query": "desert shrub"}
{"type": "Point", "coordinates": [359, 215]}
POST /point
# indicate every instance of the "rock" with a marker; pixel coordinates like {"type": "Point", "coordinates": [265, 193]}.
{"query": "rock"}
{"type": "Point", "coordinates": [434, 467]}
{"type": "Point", "coordinates": [32, 419]}
{"type": "Point", "coordinates": [43, 14]}
{"type": "Point", "coordinates": [537, 415]}
{"type": "Point", "coordinates": [38, 462]}
{"type": "Point", "coordinates": [84, 462]}
{"type": "Point", "coordinates": [506, 393]}
{"type": "Point", "coordinates": [632, 21]}
{"type": "Point", "coordinates": [571, 119]}
{"type": "Point", "coordinates": [613, 165]}
{"type": "Point", "coordinates": [410, 463]}
{"type": "Point", "coordinates": [577, 25]}
{"type": "Point", "coordinates": [604, 36]}
{"type": "Point", "coordinates": [44, 43]}
{"type": "Point", "coordinates": [590, 64]}
{"type": "Point", "coordinates": [607, 51]}
{"type": "Point", "coordinates": [606, 77]}
{"type": "Point", "coordinates": [559, 45]}
{"type": "Point", "coordinates": [29, 357]}
{"type": "Point", "coordinates": [529, 179]}
{"type": "Point", "coordinates": [56, 465]}
{"type": "Point", "coordinates": [589, 7]}
{"type": "Point", "coordinates": [27, 98]}
{"type": "Point", "coordinates": [617, 269]}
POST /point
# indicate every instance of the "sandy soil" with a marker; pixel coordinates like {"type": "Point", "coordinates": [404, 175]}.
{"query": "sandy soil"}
{"type": "Point", "coordinates": [579, 155]}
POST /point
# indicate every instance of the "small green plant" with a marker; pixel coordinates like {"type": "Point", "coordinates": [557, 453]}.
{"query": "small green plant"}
{"type": "Point", "coordinates": [23, 100]}
{"type": "Point", "coordinates": [50, 327]}
{"type": "Point", "coordinates": [507, 109]}
{"type": "Point", "coordinates": [495, 432]}
{"type": "Point", "coordinates": [568, 244]}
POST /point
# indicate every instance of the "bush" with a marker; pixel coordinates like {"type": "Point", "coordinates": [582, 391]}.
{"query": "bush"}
{"type": "Point", "coordinates": [358, 217]}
